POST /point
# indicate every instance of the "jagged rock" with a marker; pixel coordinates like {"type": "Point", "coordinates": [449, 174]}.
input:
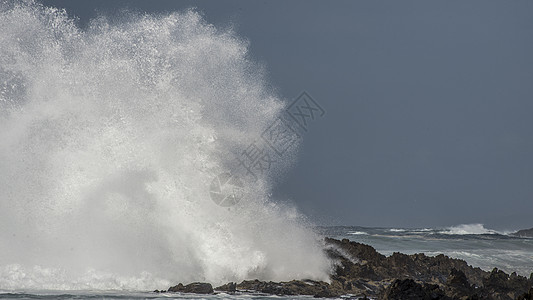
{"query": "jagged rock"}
{"type": "Point", "coordinates": [409, 289]}
{"type": "Point", "coordinates": [228, 287]}
{"type": "Point", "coordinates": [457, 285]}
{"type": "Point", "coordinates": [373, 266]}
{"type": "Point", "coordinates": [295, 287]}
{"type": "Point", "coordinates": [196, 288]}
{"type": "Point", "coordinates": [524, 233]}
{"type": "Point", "coordinates": [499, 285]}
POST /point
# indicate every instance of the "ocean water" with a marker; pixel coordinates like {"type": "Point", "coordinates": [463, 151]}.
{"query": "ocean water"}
{"type": "Point", "coordinates": [477, 245]}
{"type": "Point", "coordinates": [133, 295]}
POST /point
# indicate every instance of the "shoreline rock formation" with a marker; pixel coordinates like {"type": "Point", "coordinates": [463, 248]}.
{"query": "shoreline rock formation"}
{"type": "Point", "coordinates": [360, 271]}
{"type": "Point", "coordinates": [525, 233]}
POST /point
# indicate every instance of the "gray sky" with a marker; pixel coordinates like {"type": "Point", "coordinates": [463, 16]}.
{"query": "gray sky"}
{"type": "Point", "coordinates": [428, 104]}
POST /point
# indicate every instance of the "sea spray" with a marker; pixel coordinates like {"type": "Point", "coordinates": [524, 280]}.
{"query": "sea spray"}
{"type": "Point", "coordinates": [109, 139]}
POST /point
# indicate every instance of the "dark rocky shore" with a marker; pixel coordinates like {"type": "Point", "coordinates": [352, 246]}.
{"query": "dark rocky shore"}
{"type": "Point", "coordinates": [527, 233]}
{"type": "Point", "coordinates": [361, 271]}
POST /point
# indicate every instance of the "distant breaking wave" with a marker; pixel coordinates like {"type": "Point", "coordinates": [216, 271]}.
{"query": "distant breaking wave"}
{"type": "Point", "coordinates": [358, 233]}
{"type": "Point", "coordinates": [442, 232]}
{"type": "Point", "coordinates": [464, 229]}
{"type": "Point", "coordinates": [110, 138]}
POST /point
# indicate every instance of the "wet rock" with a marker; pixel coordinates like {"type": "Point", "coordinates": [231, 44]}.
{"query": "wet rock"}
{"type": "Point", "coordinates": [196, 288]}
{"type": "Point", "coordinates": [295, 287]}
{"type": "Point", "coordinates": [359, 261]}
{"type": "Point", "coordinates": [457, 285]}
{"type": "Point", "coordinates": [409, 289]}
{"type": "Point", "coordinates": [360, 270]}
{"type": "Point", "coordinates": [228, 288]}
{"type": "Point", "coordinates": [499, 285]}
{"type": "Point", "coordinates": [326, 293]}
{"type": "Point", "coordinates": [524, 233]}
{"type": "Point", "coordinates": [370, 272]}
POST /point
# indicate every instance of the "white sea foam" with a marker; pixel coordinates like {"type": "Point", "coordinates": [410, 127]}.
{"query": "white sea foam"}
{"type": "Point", "coordinates": [110, 138]}
{"type": "Point", "coordinates": [358, 233]}
{"type": "Point", "coordinates": [464, 229]}
{"type": "Point", "coordinates": [423, 230]}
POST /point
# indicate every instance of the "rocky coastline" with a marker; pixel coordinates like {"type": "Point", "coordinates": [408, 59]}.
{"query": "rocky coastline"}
{"type": "Point", "coordinates": [361, 272]}
{"type": "Point", "coordinates": [524, 233]}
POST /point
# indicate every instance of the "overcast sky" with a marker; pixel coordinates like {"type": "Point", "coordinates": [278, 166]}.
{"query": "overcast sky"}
{"type": "Point", "coordinates": [429, 104]}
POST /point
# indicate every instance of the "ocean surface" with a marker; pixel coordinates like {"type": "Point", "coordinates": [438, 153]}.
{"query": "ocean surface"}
{"type": "Point", "coordinates": [131, 295]}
